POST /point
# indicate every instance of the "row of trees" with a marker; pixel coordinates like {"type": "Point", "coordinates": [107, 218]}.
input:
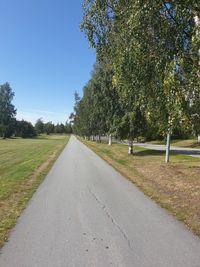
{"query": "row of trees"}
{"type": "Point", "coordinates": [146, 81]}
{"type": "Point", "coordinates": [10, 126]}
{"type": "Point", "coordinates": [50, 128]}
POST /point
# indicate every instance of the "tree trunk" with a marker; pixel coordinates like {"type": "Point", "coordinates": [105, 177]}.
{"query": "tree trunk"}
{"type": "Point", "coordinates": [197, 24]}
{"type": "Point", "coordinates": [130, 147]}
{"type": "Point", "coordinates": [92, 137]}
{"type": "Point", "coordinates": [99, 138]}
{"type": "Point", "coordinates": [110, 140]}
{"type": "Point", "coordinates": [4, 135]}
{"type": "Point", "coordinates": [167, 148]}
{"type": "Point", "coordinates": [198, 139]}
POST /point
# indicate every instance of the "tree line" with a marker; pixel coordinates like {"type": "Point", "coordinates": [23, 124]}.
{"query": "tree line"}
{"type": "Point", "coordinates": [10, 126]}
{"type": "Point", "coordinates": [146, 81]}
{"type": "Point", "coordinates": [50, 128]}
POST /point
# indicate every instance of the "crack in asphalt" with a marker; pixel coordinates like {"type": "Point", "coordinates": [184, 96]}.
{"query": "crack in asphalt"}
{"type": "Point", "coordinates": [103, 207]}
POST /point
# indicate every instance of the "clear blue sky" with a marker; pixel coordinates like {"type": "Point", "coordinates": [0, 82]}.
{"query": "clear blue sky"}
{"type": "Point", "coordinates": [44, 56]}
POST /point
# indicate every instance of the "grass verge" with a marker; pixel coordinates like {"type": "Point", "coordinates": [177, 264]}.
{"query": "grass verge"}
{"type": "Point", "coordinates": [24, 164]}
{"type": "Point", "coordinates": [174, 186]}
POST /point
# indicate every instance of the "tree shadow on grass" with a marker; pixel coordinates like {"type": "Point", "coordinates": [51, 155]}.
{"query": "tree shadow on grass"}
{"type": "Point", "coordinates": [151, 152]}
{"type": "Point", "coordinates": [148, 152]}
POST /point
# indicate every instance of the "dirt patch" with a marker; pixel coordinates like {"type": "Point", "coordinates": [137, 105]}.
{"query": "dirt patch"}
{"type": "Point", "coordinates": [41, 168]}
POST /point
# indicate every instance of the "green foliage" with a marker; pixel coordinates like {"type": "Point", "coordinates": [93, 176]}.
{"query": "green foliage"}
{"type": "Point", "coordinates": [60, 128]}
{"type": "Point", "coordinates": [49, 127]}
{"type": "Point", "coordinates": [94, 113]}
{"type": "Point", "coordinates": [39, 126]}
{"type": "Point", "coordinates": [68, 128]}
{"type": "Point", "coordinates": [7, 110]}
{"type": "Point", "coordinates": [24, 129]}
{"type": "Point", "coordinates": [131, 125]}
{"type": "Point", "coordinates": [152, 55]}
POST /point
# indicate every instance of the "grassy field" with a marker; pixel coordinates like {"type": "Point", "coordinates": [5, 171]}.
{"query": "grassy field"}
{"type": "Point", "coordinates": [23, 165]}
{"type": "Point", "coordinates": [174, 186]}
{"type": "Point", "coordinates": [191, 143]}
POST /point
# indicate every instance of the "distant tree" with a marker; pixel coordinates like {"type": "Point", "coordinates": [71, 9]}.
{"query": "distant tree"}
{"type": "Point", "coordinates": [71, 117]}
{"type": "Point", "coordinates": [25, 129]}
{"type": "Point", "coordinates": [49, 127]}
{"type": "Point", "coordinates": [39, 126]}
{"type": "Point", "coordinates": [7, 110]}
{"type": "Point", "coordinates": [57, 128]}
{"type": "Point", "coordinates": [11, 129]}
{"type": "Point", "coordinates": [77, 99]}
{"type": "Point", "coordinates": [94, 113]}
{"type": "Point", "coordinates": [60, 128]}
{"type": "Point", "coordinates": [68, 128]}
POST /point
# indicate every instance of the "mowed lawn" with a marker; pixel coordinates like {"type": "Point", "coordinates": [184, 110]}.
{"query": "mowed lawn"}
{"type": "Point", "coordinates": [174, 186]}
{"type": "Point", "coordinates": [23, 165]}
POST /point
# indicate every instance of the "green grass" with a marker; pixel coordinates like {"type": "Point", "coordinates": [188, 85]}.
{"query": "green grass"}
{"type": "Point", "coordinates": [23, 165]}
{"type": "Point", "coordinates": [174, 186]}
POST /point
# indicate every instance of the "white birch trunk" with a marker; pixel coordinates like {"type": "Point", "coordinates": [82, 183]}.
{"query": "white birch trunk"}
{"type": "Point", "coordinates": [98, 138]}
{"type": "Point", "coordinates": [130, 147]}
{"type": "Point", "coordinates": [167, 148]}
{"type": "Point", "coordinates": [110, 140]}
{"type": "Point", "coordinates": [198, 139]}
{"type": "Point", "coordinates": [197, 24]}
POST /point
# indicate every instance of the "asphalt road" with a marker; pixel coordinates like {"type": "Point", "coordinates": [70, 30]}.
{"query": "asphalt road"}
{"type": "Point", "coordinates": [194, 152]}
{"type": "Point", "coordinates": [85, 214]}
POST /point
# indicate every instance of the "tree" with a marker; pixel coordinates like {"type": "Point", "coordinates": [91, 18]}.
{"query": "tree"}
{"type": "Point", "coordinates": [131, 126]}
{"type": "Point", "coordinates": [60, 128]}
{"type": "Point", "coordinates": [94, 113]}
{"type": "Point", "coordinates": [49, 127]}
{"type": "Point", "coordinates": [7, 110]}
{"type": "Point", "coordinates": [153, 50]}
{"type": "Point", "coordinates": [68, 128]}
{"type": "Point", "coordinates": [25, 129]}
{"type": "Point", "coordinates": [39, 126]}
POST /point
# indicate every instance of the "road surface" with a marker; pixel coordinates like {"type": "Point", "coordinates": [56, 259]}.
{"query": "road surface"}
{"type": "Point", "coordinates": [85, 214]}
{"type": "Point", "coordinates": [194, 152]}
